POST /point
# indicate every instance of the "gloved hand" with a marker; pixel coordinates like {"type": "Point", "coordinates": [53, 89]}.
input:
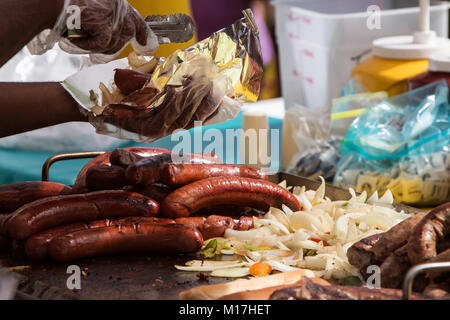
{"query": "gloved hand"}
{"type": "Point", "coordinates": [107, 27]}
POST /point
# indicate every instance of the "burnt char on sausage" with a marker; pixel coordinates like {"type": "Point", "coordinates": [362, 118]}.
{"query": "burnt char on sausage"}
{"type": "Point", "coordinates": [105, 177]}
{"type": "Point", "coordinates": [124, 158]}
{"type": "Point", "coordinates": [36, 247]}
{"type": "Point", "coordinates": [54, 211]}
{"type": "Point", "coordinates": [396, 237]}
{"type": "Point", "coordinates": [433, 228]}
{"type": "Point", "coordinates": [15, 195]}
{"type": "Point", "coordinates": [186, 173]}
{"type": "Point", "coordinates": [80, 182]}
{"type": "Point", "coordinates": [212, 192]}
{"type": "Point", "coordinates": [126, 239]}
{"type": "Point", "coordinates": [148, 171]}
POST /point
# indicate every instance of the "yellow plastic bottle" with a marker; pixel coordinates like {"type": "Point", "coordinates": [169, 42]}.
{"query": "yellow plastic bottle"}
{"type": "Point", "coordinates": [390, 75]}
{"type": "Point", "coordinates": [398, 59]}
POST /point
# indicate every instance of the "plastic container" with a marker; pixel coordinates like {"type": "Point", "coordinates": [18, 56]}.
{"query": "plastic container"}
{"type": "Point", "coordinates": [320, 42]}
{"type": "Point", "coordinates": [438, 69]}
{"type": "Point", "coordinates": [398, 59]}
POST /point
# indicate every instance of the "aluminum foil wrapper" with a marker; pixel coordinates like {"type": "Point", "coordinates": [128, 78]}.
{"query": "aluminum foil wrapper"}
{"type": "Point", "coordinates": [207, 82]}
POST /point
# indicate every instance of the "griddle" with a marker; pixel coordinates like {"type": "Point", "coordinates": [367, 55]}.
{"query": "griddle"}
{"type": "Point", "coordinates": [143, 277]}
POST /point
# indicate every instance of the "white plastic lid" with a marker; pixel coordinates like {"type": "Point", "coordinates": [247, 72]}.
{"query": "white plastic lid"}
{"type": "Point", "coordinates": [408, 48]}
{"type": "Point", "coordinates": [439, 62]}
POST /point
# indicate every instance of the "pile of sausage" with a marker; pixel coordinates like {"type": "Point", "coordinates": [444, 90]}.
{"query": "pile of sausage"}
{"type": "Point", "coordinates": [422, 238]}
{"type": "Point", "coordinates": [135, 200]}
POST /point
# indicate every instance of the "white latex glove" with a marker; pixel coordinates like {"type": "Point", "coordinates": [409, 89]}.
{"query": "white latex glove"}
{"type": "Point", "coordinates": [108, 26]}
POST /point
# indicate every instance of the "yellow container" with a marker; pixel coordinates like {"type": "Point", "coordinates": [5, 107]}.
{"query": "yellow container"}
{"type": "Point", "coordinates": [390, 75]}
{"type": "Point", "coordinates": [146, 7]}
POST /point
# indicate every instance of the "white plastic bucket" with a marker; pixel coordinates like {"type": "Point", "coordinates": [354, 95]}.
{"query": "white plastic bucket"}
{"type": "Point", "coordinates": [319, 39]}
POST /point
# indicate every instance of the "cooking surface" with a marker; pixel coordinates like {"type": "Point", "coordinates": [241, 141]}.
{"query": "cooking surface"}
{"type": "Point", "coordinates": [150, 277]}
{"type": "Point", "coordinates": [116, 277]}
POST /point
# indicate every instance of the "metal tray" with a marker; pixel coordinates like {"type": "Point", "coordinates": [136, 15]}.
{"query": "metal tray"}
{"type": "Point", "coordinates": [149, 277]}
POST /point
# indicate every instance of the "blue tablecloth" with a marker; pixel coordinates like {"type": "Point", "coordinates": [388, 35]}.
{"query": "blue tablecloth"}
{"type": "Point", "coordinates": [18, 166]}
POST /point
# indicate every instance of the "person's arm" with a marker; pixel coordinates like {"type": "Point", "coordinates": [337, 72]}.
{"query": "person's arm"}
{"type": "Point", "coordinates": [21, 20]}
{"type": "Point", "coordinates": [29, 106]}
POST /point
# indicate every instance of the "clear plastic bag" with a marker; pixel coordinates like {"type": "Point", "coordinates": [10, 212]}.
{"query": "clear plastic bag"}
{"type": "Point", "coordinates": [401, 144]}
{"type": "Point", "coordinates": [107, 25]}
{"type": "Point", "coordinates": [318, 135]}
{"type": "Point", "coordinates": [196, 97]}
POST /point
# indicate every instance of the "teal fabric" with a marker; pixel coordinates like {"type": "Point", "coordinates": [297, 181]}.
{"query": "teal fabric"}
{"type": "Point", "coordinates": [18, 166]}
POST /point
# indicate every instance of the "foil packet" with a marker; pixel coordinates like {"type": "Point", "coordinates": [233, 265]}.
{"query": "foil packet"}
{"type": "Point", "coordinates": [205, 84]}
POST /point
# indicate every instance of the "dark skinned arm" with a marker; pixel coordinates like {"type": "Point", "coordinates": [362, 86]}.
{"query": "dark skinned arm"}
{"type": "Point", "coordinates": [22, 20]}
{"type": "Point", "coordinates": [29, 106]}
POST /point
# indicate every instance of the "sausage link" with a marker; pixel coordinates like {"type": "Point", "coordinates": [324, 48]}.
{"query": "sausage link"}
{"type": "Point", "coordinates": [394, 268]}
{"type": "Point", "coordinates": [156, 191]}
{"type": "Point", "coordinates": [434, 227]}
{"type": "Point", "coordinates": [15, 195]}
{"type": "Point", "coordinates": [3, 218]}
{"type": "Point", "coordinates": [80, 182]}
{"type": "Point", "coordinates": [148, 171]}
{"type": "Point", "coordinates": [36, 247]}
{"type": "Point", "coordinates": [126, 239]}
{"type": "Point", "coordinates": [396, 237]}
{"type": "Point", "coordinates": [51, 212]}
{"type": "Point", "coordinates": [129, 81]}
{"type": "Point", "coordinates": [211, 192]}
{"type": "Point", "coordinates": [186, 173]}
{"type": "Point", "coordinates": [214, 226]}
{"type": "Point", "coordinates": [309, 290]}
{"type": "Point", "coordinates": [104, 177]}
{"type": "Point", "coordinates": [124, 158]}
{"type": "Point", "coordinates": [360, 253]}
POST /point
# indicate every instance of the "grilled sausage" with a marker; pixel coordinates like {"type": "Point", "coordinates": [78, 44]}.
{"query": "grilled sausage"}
{"type": "Point", "coordinates": [3, 218]}
{"type": "Point", "coordinates": [396, 237]}
{"type": "Point", "coordinates": [434, 227]}
{"type": "Point", "coordinates": [444, 256]}
{"type": "Point", "coordinates": [211, 192]}
{"type": "Point", "coordinates": [104, 177]}
{"type": "Point", "coordinates": [15, 195]}
{"type": "Point", "coordinates": [156, 191]}
{"type": "Point", "coordinates": [36, 247]}
{"type": "Point", "coordinates": [148, 171]}
{"type": "Point", "coordinates": [124, 158]}
{"type": "Point", "coordinates": [129, 81]}
{"type": "Point", "coordinates": [51, 212]}
{"type": "Point", "coordinates": [309, 290]}
{"type": "Point", "coordinates": [186, 173]}
{"type": "Point", "coordinates": [104, 159]}
{"type": "Point", "coordinates": [360, 254]}
{"type": "Point", "coordinates": [215, 226]}
{"type": "Point", "coordinates": [126, 239]}
{"type": "Point", "coordinates": [394, 268]}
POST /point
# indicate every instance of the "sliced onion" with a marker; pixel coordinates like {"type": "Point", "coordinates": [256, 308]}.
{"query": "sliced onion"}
{"type": "Point", "coordinates": [230, 272]}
